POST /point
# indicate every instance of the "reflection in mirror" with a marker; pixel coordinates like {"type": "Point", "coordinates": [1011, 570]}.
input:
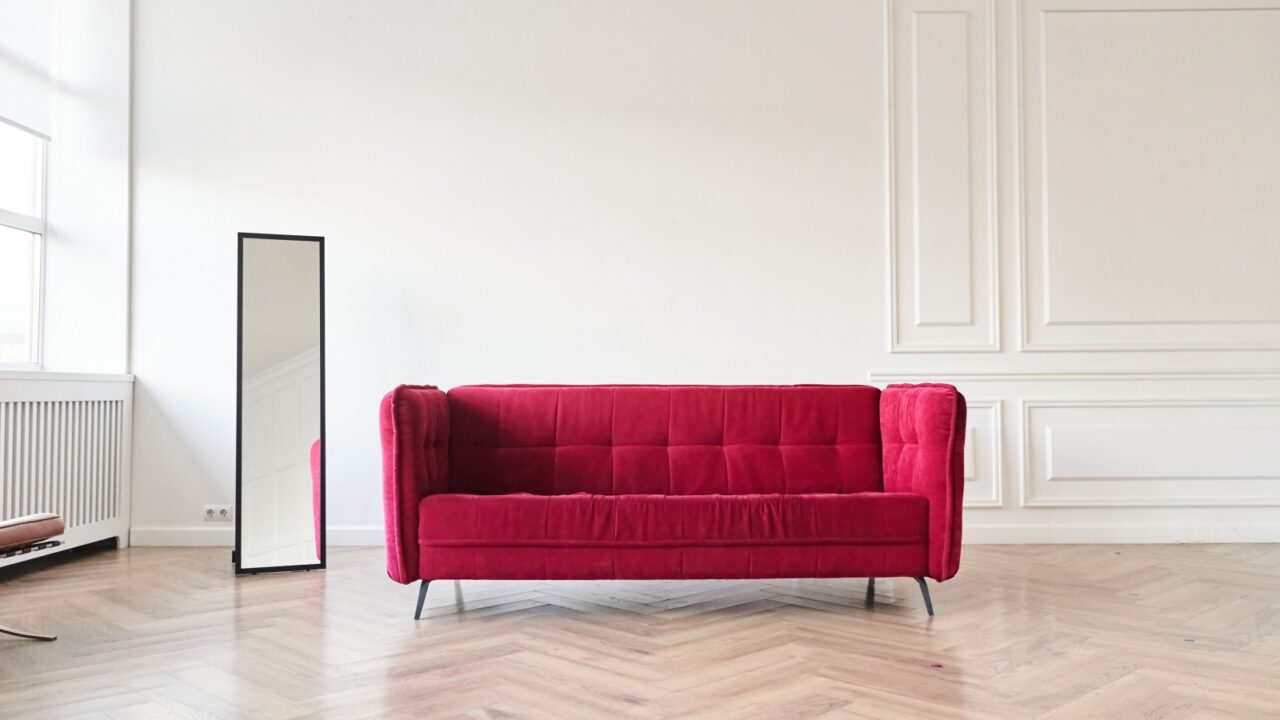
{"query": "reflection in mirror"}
{"type": "Point", "coordinates": [280, 494]}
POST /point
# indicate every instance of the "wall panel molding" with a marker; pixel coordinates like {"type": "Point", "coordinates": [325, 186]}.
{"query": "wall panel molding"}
{"type": "Point", "coordinates": [1207, 452]}
{"type": "Point", "coordinates": [1180, 267]}
{"type": "Point", "coordinates": [1125, 532]}
{"type": "Point", "coordinates": [944, 264]}
{"type": "Point", "coordinates": [1206, 373]}
{"type": "Point", "coordinates": [983, 456]}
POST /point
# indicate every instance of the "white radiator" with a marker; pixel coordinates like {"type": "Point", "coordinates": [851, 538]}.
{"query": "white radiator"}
{"type": "Point", "coordinates": [65, 448]}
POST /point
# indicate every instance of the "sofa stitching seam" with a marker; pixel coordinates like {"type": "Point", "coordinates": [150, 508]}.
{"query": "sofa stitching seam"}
{"type": "Point", "coordinates": [555, 439]}
{"type": "Point", "coordinates": [724, 429]}
{"type": "Point", "coordinates": [683, 543]}
{"type": "Point", "coordinates": [613, 430]}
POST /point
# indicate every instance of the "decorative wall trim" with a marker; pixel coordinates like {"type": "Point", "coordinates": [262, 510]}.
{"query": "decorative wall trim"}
{"type": "Point", "coordinates": [356, 535]}
{"type": "Point", "coordinates": [184, 536]}
{"type": "Point", "coordinates": [888, 376]}
{"type": "Point", "coordinates": [1039, 332]}
{"type": "Point", "coordinates": [1032, 493]}
{"type": "Point", "coordinates": [48, 376]}
{"type": "Point", "coordinates": [975, 327]}
{"type": "Point", "coordinates": [975, 533]}
{"type": "Point", "coordinates": [308, 361]}
{"type": "Point", "coordinates": [195, 536]}
{"type": "Point", "coordinates": [1077, 533]}
{"type": "Point", "coordinates": [993, 447]}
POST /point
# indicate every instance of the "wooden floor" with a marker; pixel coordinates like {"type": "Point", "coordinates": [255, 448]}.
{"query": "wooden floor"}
{"type": "Point", "coordinates": [1189, 631]}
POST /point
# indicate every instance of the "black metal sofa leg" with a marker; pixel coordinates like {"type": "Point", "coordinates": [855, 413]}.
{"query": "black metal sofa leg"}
{"type": "Point", "coordinates": [27, 634]}
{"type": "Point", "coordinates": [871, 585]}
{"type": "Point", "coordinates": [924, 590]}
{"type": "Point", "coordinates": [422, 598]}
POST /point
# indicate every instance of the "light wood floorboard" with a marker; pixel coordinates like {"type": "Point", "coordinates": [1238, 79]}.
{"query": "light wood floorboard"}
{"type": "Point", "coordinates": [1158, 631]}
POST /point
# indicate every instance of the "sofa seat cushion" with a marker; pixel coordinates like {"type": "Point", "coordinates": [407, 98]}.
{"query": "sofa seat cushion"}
{"type": "Point", "coordinates": [621, 537]}
{"type": "Point", "coordinates": [870, 518]}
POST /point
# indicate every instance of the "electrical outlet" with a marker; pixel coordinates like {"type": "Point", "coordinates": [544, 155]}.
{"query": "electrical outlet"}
{"type": "Point", "coordinates": [217, 513]}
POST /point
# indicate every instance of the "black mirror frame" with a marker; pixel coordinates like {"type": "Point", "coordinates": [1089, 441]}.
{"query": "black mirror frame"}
{"type": "Point", "coordinates": [236, 555]}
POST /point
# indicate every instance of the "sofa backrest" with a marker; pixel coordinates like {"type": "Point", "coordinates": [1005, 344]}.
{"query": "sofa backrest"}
{"type": "Point", "coordinates": [676, 440]}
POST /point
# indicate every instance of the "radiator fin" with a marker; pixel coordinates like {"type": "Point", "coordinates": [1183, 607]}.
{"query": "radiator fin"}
{"type": "Point", "coordinates": [62, 456]}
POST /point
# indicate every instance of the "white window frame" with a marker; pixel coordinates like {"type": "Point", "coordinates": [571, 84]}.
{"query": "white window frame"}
{"type": "Point", "coordinates": [38, 225]}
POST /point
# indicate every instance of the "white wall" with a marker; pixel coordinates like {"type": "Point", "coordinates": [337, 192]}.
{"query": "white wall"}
{"type": "Point", "coordinates": [86, 312]}
{"type": "Point", "coordinates": [64, 72]}
{"type": "Point", "coordinates": [578, 191]}
{"type": "Point", "coordinates": [26, 51]}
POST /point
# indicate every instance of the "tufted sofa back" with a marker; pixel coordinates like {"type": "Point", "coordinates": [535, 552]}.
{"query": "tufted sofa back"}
{"type": "Point", "coordinates": [669, 440]}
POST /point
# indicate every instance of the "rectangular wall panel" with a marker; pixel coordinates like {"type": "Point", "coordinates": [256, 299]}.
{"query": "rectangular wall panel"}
{"type": "Point", "coordinates": [982, 455]}
{"type": "Point", "coordinates": [1150, 167]}
{"type": "Point", "coordinates": [1091, 453]}
{"type": "Point", "coordinates": [1118, 455]}
{"type": "Point", "coordinates": [943, 250]}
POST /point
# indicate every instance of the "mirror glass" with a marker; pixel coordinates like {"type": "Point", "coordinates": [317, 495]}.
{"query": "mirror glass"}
{"type": "Point", "coordinates": [280, 478]}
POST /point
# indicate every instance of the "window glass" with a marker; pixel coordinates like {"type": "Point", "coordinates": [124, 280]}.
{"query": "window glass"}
{"type": "Point", "coordinates": [20, 166]}
{"type": "Point", "coordinates": [22, 224]}
{"type": "Point", "coordinates": [19, 306]}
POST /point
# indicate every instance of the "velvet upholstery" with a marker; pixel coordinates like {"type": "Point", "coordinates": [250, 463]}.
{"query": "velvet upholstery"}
{"type": "Point", "coordinates": [317, 497]}
{"type": "Point", "coordinates": [664, 440]}
{"type": "Point", "coordinates": [923, 428]}
{"type": "Point", "coordinates": [672, 536]}
{"type": "Point", "coordinates": [620, 482]}
{"type": "Point", "coordinates": [415, 463]}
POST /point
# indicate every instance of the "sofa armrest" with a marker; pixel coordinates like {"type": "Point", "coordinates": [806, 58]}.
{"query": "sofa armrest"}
{"type": "Point", "coordinates": [922, 431]}
{"type": "Point", "coordinates": [415, 462]}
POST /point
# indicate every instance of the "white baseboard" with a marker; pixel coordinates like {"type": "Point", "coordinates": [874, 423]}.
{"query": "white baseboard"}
{"type": "Point", "coordinates": [364, 535]}
{"type": "Point", "coordinates": [1109, 533]}
{"type": "Point", "coordinates": [1058, 534]}
{"type": "Point", "coordinates": [225, 536]}
{"type": "Point", "coordinates": [221, 536]}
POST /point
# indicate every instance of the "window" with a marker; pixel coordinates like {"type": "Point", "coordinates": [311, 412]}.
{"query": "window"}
{"type": "Point", "coordinates": [22, 231]}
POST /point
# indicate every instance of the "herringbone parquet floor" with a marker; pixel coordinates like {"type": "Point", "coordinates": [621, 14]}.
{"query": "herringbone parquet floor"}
{"type": "Point", "coordinates": [1023, 632]}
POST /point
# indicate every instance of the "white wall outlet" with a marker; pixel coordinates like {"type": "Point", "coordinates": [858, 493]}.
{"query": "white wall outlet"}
{"type": "Point", "coordinates": [217, 513]}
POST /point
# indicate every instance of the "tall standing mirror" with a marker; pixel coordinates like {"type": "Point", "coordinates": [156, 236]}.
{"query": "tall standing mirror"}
{"type": "Point", "coordinates": [280, 445]}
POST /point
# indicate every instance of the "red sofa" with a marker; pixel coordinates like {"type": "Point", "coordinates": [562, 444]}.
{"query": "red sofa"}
{"type": "Point", "coordinates": [672, 482]}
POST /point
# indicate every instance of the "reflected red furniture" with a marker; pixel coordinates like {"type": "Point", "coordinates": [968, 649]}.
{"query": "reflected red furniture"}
{"type": "Point", "coordinates": [672, 482]}
{"type": "Point", "coordinates": [317, 499]}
